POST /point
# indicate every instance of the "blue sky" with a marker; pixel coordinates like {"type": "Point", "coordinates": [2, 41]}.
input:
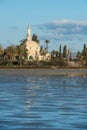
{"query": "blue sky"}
{"type": "Point", "coordinates": [60, 21]}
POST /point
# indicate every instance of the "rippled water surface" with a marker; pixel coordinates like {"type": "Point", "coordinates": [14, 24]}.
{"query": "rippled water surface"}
{"type": "Point", "coordinates": [43, 103]}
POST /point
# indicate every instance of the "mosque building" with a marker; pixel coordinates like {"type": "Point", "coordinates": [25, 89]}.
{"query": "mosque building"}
{"type": "Point", "coordinates": [33, 49]}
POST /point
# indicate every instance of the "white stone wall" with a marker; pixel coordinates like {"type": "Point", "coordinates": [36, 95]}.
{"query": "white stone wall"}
{"type": "Point", "coordinates": [33, 49]}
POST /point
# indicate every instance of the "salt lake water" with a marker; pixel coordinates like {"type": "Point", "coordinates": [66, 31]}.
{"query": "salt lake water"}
{"type": "Point", "coordinates": [43, 102]}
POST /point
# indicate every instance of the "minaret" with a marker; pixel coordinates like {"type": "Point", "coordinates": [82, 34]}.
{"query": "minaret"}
{"type": "Point", "coordinates": [29, 34]}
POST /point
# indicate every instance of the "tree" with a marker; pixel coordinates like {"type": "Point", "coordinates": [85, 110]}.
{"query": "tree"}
{"type": "Point", "coordinates": [65, 51]}
{"type": "Point", "coordinates": [23, 42]}
{"type": "Point", "coordinates": [35, 38]}
{"type": "Point", "coordinates": [22, 48]}
{"type": "Point", "coordinates": [41, 50]}
{"type": "Point", "coordinates": [54, 54]}
{"type": "Point", "coordinates": [47, 42]}
{"type": "Point", "coordinates": [84, 50]}
{"type": "Point", "coordinates": [21, 53]}
{"type": "Point", "coordinates": [1, 50]}
{"type": "Point", "coordinates": [60, 53]}
{"type": "Point", "coordinates": [10, 52]}
{"type": "Point", "coordinates": [78, 56]}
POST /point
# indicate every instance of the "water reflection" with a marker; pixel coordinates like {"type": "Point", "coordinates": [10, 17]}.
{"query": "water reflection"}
{"type": "Point", "coordinates": [43, 102]}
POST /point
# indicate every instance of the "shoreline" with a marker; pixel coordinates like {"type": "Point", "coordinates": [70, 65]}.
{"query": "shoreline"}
{"type": "Point", "coordinates": [42, 72]}
{"type": "Point", "coordinates": [42, 67]}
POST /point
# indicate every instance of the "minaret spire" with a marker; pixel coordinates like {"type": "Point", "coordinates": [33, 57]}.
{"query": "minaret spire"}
{"type": "Point", "coordinates": [29, 34]}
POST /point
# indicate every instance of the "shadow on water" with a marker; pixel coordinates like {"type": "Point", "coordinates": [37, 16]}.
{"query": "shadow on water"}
{"type": "Point", "coordinates": [43, 102]}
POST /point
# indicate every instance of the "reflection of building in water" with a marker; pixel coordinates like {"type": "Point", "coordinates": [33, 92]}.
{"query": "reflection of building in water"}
{"type": "Point", "coordinates": [31, 92]}
{"type": "Point", "coordinates": [28, 102]}
{"type": "Point", "coordinates": [33, 49]}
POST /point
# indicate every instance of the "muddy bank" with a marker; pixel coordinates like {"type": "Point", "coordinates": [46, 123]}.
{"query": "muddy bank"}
{"type": "Point", "coordinates": [43, 72]}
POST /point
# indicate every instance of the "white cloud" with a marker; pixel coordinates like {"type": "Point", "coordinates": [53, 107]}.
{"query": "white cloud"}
{"type": "Point", "coordinates": [71, 31]}
{"type": "Point", "coordinates": [66, 21]}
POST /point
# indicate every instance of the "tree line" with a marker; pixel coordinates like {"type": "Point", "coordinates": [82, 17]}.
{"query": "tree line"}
{"type": "Point", "coordinates": [16, 55]}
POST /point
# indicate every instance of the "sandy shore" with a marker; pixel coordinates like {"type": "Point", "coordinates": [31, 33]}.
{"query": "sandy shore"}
{"type": "Point", "coordinates": [43, 72]}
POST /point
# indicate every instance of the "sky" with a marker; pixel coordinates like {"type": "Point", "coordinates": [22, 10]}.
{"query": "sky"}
{"type": "Point", "coordinates": [59, 21]}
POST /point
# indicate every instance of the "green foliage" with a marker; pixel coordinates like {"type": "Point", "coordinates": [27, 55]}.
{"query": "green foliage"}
{"type": "Point", "coordinates": [35, 38]}
{"type": "Point", "coordinates": [10, 52]}
{"type": "Point", "coordinates": [61, 62]}
{"type": "Point", "coordinates": [1, 60]}
{"type": "Point", "coordinates": [17, 57]}
{"type": "Point", "coordinates": [54, 54]}
{"type": "Point", "coordinates": [31, 58]}
{"type": "Point", "coordinates": [84, 52]}
{"type": "Point", "coordinates": [5, 62]}
{"type": "Point", "coordinates": [78, 56]}
{"type": "Point", "coordinates": [65, 51]}
{"type": "Point", "coordinates": [47, 42]}
{"type": "Point", "coordinates": [23, 42]}
{"type": "Point", "coordinates": [1, 50]}
{"type": "Point", "coordinates": [41, 50]}
{"type": "Point", "coordinates": [60, 52]}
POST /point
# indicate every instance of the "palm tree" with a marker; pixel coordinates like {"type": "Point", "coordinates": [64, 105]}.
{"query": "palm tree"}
{"type": "Point", "coordinates": [47, 41]}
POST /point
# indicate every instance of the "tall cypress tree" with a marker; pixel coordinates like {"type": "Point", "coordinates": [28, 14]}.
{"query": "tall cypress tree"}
{"type": "Point", "coordinates": [60, 53]}
{"type": "Point", "coordinates": [65, 51]}
{"type": "Point", "coordinates": [84, 50]}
